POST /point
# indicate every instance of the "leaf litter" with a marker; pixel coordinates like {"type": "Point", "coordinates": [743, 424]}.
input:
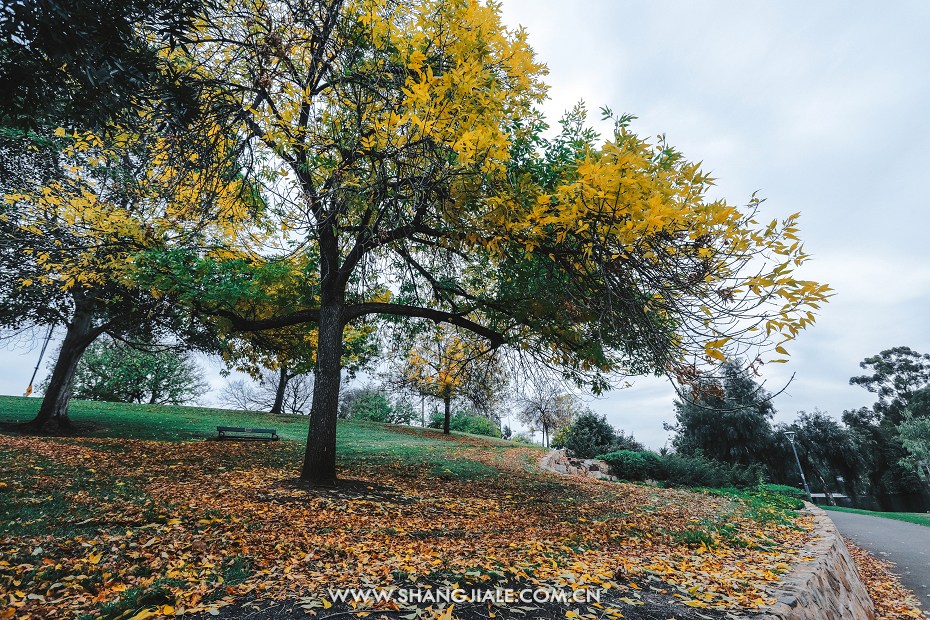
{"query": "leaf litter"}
{"type": "Point", "coordinates": [203, 524]}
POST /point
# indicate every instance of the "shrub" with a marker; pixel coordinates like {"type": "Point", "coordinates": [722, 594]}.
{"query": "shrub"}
{"type": "Point", "coordinates": [465, 422]}
{"type": "Point", "coordinates": [630, 465]}
{"type": "Point", "coordinates": [782, 489]}
{"type": "Point", "coordinates": [680, 470]}
{"type": "Point", "coordinates": [590, 435]}
{"type": "Point", "coordinates": [370, 406]}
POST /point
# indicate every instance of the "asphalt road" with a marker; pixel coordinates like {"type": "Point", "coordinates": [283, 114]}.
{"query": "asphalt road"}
{"type": "Point", "coordinates": [907, 545]}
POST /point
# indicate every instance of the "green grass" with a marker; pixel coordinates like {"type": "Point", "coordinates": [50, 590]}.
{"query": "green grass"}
{"type": "Point", "coordinates": [911, 517]}
{"type": "Point", "coordinates": [413, 450]}
{"type": "Point", "coordinates": [159, 422]}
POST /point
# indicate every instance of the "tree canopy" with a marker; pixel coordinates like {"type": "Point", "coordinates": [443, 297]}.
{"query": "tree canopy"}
{"type": "Point", "coordinates": [114, 371]}
{"type": "Point", "coordinates": [726, 421]}
{"type": "Point", "coordinates": [896, 376]}
{"type": "Point", "coordinates": [396, 160]}
{"type": "Point", "coordinates": [83, 63]}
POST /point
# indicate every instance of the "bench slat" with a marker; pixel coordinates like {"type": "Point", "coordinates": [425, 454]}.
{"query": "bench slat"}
{"type": "Point", "coordinates": [239, 429]}
{"type": "Point", "coordinates": [222, 430]}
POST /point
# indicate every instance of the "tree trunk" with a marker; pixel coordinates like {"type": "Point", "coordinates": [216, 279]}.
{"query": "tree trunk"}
{"type": "Point", "coordinates": [53, 413]}
{"type": "Point", "coordinates": [445, 424]}
{"type": "Point", "coordinates": [283, 378]}
{"type": "Point", "coordinates": [320, 458]}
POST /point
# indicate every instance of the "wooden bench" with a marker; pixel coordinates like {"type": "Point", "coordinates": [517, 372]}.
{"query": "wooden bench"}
{"type": "Point", "coordinates": [246, 434]}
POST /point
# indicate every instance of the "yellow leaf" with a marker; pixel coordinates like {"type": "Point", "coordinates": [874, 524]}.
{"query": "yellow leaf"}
{"type": "Point", "coordinates": [145, 613]}
{"type": "Point", "coordinates": [714, 353]}
{"type": "Point", "coordinates": [326, 604]}
{"type": "Point", "coordinates": [781, 350]}
{"type": "Point", "coordinates": [448, 614]}
{"type": "Point", "coordinates": [571, 614]}
{"type": "Point", "coordinates": [94, 559]}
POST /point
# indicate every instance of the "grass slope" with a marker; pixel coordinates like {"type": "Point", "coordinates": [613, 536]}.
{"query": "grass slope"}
{"type": "Point", "coordinates": [143, 514]}
{"type": "Point", "coordinates": [910, 517]}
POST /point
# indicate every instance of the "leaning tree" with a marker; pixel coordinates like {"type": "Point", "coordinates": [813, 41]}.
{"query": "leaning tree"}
{"type": "Point", "coordinates": [400, 150]}
{"type": "Point", "coordinates": [79, 206]}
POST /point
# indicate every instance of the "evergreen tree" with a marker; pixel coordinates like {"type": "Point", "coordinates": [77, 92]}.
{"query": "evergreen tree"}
{"type": "Point", "coordinates": [114, 371]}
{"type": "Point", "coordinates": [726, 420]}
{"type": "Point", "coordinates": [896, 376]}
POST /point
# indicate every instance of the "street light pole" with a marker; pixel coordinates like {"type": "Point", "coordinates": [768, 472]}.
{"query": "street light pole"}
{"type": "Point", "coordinates": [790, 436]}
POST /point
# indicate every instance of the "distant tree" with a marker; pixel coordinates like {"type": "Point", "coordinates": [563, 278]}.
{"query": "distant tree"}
{"type": "Point", "coordinates": [590, 435]}
{"type": "Point", "coordinates": [726, 419]}
{"type": "Point", "coordinates": [882, 451]}
{"type": "Point", "coordinates": [896, 376]}
{"type": "Point", "coordinates": [114, 371]}
{"type": "Point", "coordinates": [404, 412]}
{"type": "Point", "coordinates": [547, 408]}
{"type": "Point", "coordinates": [506, 433]}
{"type": "Point", "coordinates": [366, 403]}
{"type": "Point", "coordinates": [826, 448]}
{"type": "Point", "coordinates": [453, 366]}
{"type": "Point", "coordinates": [270, 394]}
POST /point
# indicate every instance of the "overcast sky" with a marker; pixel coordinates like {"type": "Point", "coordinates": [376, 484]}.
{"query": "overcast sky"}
{"type": "Point", "coordinates": [822, 107]}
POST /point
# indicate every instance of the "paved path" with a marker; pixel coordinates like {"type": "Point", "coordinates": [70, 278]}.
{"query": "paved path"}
{"type": "Point", "coordinates": [907, 545]}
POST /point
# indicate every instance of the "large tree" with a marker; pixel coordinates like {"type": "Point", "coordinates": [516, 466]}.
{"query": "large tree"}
{"type": "Point", "coordinates": [401, 152]}
{"type": "Point", "coordinates": [727, 420]}
{"type": "Point", "coordinates": [78, 207]}
{"type": "Point", "coordinates": [895, 376]}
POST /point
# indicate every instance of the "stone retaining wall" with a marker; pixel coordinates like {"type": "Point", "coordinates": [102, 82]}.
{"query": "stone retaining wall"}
{"type": "Point", "coordinates": [828, 587]}
{"type": "Point", "coordinates": [825, 588]}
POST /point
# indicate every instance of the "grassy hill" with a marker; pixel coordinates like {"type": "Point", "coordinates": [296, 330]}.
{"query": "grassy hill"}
{"type": "Point", "coordinates": [143, 515]}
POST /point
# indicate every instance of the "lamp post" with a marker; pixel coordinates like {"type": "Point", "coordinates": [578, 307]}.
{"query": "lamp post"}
{"type": "Point", "coordinates": [790, 436]}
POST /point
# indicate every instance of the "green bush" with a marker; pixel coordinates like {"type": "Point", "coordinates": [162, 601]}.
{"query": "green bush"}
{"type": "Point", "coordinates": [782, 489]}
{"type": "Point", "coordinates": [680, 470]}
{"type": "Point", "coordinates": [465, 422]}
{"type": "Point", "coordinates": [371, 406]}
{"type": "Point", "coordinates": [630, 465]}
{"type": "Point", "coordinates": [590, 435]}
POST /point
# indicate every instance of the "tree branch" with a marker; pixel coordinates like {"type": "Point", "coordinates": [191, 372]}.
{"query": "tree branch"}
{"type": "Point", "coordinates": [439, 316]}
